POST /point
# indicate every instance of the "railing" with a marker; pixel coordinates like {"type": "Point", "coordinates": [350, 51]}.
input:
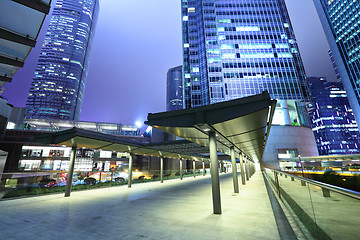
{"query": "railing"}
{"type": "Point", "coordinates": [321, 210]}
{"type": "Point", "coordinates": [22, 184]}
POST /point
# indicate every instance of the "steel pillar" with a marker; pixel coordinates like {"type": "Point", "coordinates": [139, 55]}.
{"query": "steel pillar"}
{"type": "Point", "coordinates": [214, 174]}
{"type": "Point", "coordinates": [70, 172]}
{"type": "Point", "coordinates": [203, 167]}
{"type": "Point", "coordinates": [246, 168]}
{"type": "Point", "coordinates": [241, 157]}
{"type": "Point", "coordinates": [130, 170]}
{"type": "Point", "coordinates": [181, 173]}
{"type": "Point", "coordinates": [234, 170]}
{"type": "Point", "coordinates": [161, 169]}
{"type": "Point", "coordinates": [194, 168]}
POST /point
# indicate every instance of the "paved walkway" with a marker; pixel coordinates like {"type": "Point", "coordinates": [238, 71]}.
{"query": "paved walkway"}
{"type": "Point", "coordinates": [172, 210]}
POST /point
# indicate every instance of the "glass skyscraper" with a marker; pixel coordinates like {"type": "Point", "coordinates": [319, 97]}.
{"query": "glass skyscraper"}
{"type": "Point", "coordinates": [174, 89]}
{"type": "Point", "coordinates": [332, 120]}
{"type": "Point", "coordinates": [238, 48]}
{"type": "Point", "coordinates": [341, 23]}
{"type": "Point", "coordinates": [57, 89]}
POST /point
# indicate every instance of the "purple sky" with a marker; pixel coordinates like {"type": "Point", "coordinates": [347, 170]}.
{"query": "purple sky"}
{"type": "Point", "coordinates": [136, 42]}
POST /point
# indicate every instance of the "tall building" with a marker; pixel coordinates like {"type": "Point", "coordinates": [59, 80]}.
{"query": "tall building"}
{"type": "Point", "coordinates": [237, 48]}
{"type": "Point", "coordinates": [332, 120]}
{"type": "Point", "coordinates": [340, 20]}
{"type": "Point", "coordinates": [174, 90]}
{"type": "Point", "coordinates": [57, 89]}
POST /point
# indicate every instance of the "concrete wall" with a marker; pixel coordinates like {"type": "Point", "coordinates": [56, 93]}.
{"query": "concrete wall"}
{"type": "Point", "coordinates": [289, 137]}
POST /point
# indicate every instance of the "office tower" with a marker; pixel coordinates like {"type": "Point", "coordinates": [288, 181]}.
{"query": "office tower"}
{"type": "Point", "coordinates": [238, 48]}
{"type": "Point", "coordinates": [332, 121]}
{"type": "Point", "coordinates": [174, 90]}
{"type": "Point", "coordinates": [340, 20]}
{"type": "Point", "coordinates": [57, 89]}
{"type": "Point", "coordinates": [336, 69]}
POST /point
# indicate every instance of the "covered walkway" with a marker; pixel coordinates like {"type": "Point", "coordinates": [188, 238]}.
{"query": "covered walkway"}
{"type": "Point", "coordinates": [172, 210]}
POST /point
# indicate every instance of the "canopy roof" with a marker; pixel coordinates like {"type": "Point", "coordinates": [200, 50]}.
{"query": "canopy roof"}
{"type": "Point", "coordinates": [243, 123]}
{"type": "Point", "coordinates": [20, 24]}
{"type": "Point", "coordinates": [93, 140]}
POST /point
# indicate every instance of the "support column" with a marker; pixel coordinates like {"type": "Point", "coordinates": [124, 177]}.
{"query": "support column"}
{"type": "Point", "coordinates": [161, 169]}
{"type": "Point", "coordinates": [130, 170]}
{"type": "Point", "coordinates": [214, 174]}
{"type": "Point", "coordinates": [246, 168]}
{"type": "Point", "coordinates": [203, 167]}
{"type": "Point", "coordinates": [194, 168]}
{"type": "Point", "coordinates": [241, 158]}
{"type": "Point", "coordinates": [181, 173]}
{"type": "Point", "coordinates": [70, 172]}
{"type": "Point", "coordinates": [234, 171]}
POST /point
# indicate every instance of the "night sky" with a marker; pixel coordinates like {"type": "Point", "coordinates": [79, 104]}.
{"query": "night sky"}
{"type": "Point", "coordinates": [135, 44]}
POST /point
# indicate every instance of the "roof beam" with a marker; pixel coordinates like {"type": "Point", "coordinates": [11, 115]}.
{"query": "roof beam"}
{"type": "Point", "coordinates": [5, 79]}
{"type": "Point", "coordinates": [15, 37]}
{"type": "Point", "coordinates": [35, 4]}
{"type": "Point", "coordinates": [11, 61]}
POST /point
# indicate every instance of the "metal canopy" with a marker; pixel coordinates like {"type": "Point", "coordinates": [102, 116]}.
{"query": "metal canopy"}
{"type": "Point", "coordinates": [243, 123]}
{"type": "Point", "coordinates": [20, 24]}
{"type": "Point", "coordinates": [80, 138]}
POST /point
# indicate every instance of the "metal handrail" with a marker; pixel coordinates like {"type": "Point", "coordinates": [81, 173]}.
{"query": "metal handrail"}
{"type": "Point", "coordinates": [343, 191]}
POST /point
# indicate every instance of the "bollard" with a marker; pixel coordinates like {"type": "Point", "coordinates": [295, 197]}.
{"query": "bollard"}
{"type": "Point", "coordinates": [303, 183]}
{"type": "Point", "coordinates": [326, 192]}
{"type": "Point", "coordinates": [292, 179]}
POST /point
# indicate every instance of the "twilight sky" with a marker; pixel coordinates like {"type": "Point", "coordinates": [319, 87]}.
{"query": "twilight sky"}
{"type": "Point", "coordinates": [135, 44]}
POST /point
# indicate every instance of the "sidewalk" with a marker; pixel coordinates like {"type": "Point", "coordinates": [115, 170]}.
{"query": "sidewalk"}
{"type": "Point", "coordinates": [172, 210]}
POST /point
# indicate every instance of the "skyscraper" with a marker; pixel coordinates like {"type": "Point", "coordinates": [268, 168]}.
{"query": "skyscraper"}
{"type": "Point", "coordinates": [174, 90]}
{"type": "Point", "coordinates": [57, 89]}
{"type": "Point", "coordinates": [341, 22]}
{"type": "Point", "coordinates": [237, 48]}
{"type": "Point", "coordinates": [332, 120]}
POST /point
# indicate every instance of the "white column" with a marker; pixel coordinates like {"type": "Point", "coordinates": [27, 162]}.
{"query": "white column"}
{"type": "Point", "coordinates": [234, 171]}
{"type": "Point", "coordinates": [286, 113]}
{"type": "Point", "coordinates": [214, 174]}
{"type": "Point", "coordinates": [70, 172]}
{"type": "Point", "coordinates": [194, 168]}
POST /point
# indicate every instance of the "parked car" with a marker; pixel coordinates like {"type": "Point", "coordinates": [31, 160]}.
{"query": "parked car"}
{"type": "Point", "coordinates": [48, 182]}
{"type": "Point", "coordinates": [90, 181]}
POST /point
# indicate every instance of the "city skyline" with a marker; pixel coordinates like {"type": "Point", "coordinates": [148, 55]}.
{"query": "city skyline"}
{"type": "Point", "coordinates": [127, 94]}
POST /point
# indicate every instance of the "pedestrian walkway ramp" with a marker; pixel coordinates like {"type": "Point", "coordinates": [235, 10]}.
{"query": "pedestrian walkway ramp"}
{"type": "Point", "coordinates": [172, 210]}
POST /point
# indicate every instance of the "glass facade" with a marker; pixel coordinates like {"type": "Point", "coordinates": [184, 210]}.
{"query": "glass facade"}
{"type": "Point", "coordinates": [332, 120]}
{"type": "Point", "coordinates": [174, 92]}
{"type": "Point", "coordinates": [237, 48]}
{"type": "Point", "coordinates": [341, 22]}
{"type": "Point", "coordinates": [57, 89]}
{"type": "Point", "coordinates": [333, 63]}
